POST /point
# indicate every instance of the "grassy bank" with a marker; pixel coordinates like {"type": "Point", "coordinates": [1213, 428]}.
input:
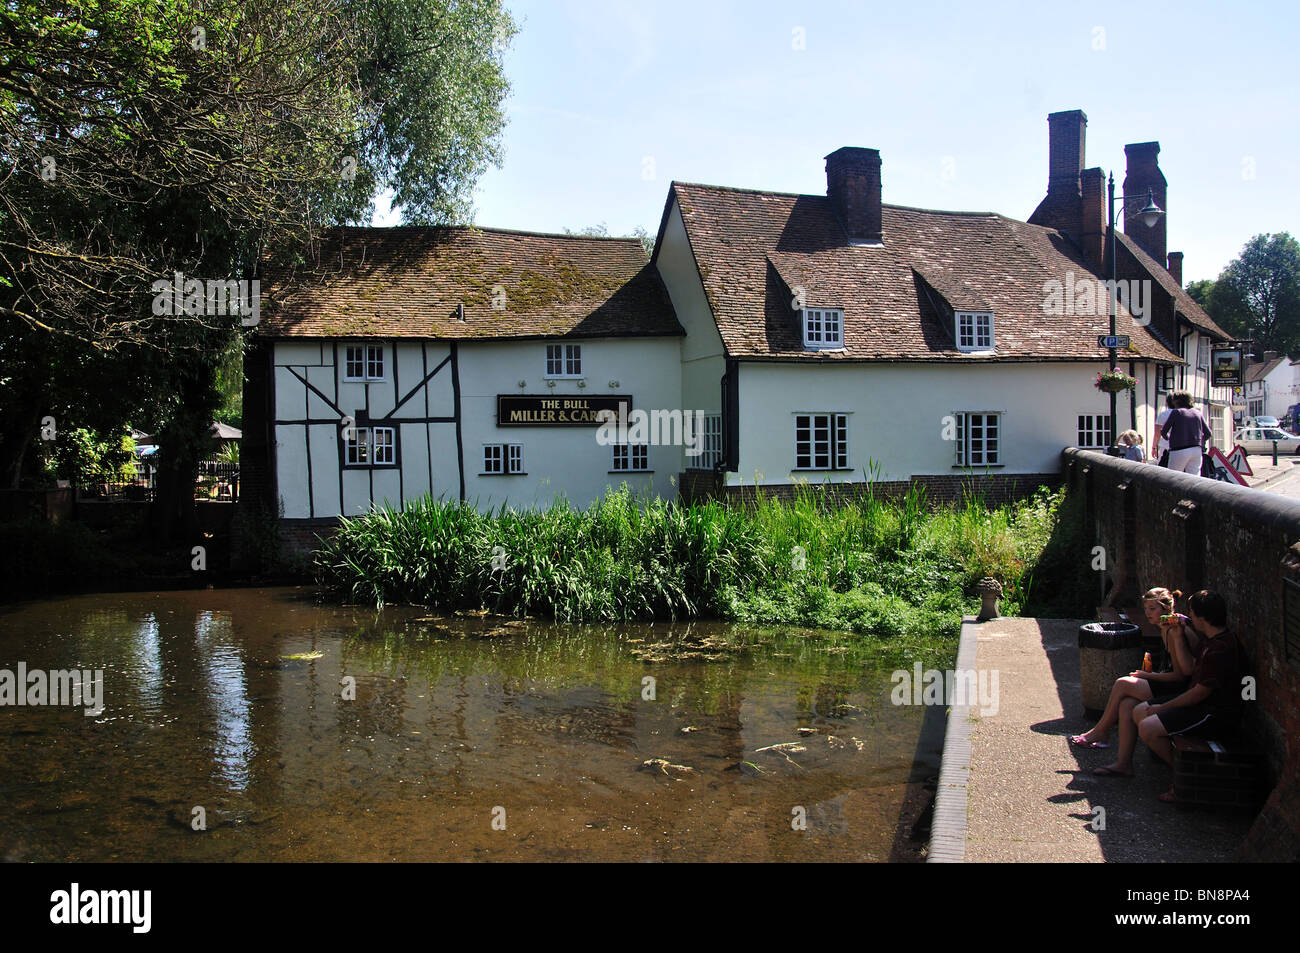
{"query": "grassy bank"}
{"type": "Point", "coordinates": [890, 568]}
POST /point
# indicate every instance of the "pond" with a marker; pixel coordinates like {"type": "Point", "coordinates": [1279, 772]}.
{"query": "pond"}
{"type": "Point", "coordinates": [259, 725]}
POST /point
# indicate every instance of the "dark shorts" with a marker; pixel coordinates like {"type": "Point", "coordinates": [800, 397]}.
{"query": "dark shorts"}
{"type": "Point", "coordinates": [1195, 720]}
{"type": "Point", "coordinates": [1162, 692]}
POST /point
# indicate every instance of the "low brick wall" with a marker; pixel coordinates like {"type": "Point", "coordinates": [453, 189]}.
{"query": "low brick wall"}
{"type": "Point", "coordinates": [1160, 528]}
{"type": "Point", "coordinates": [301, 538]}
{"type": "Point", "coordinates": [994, 488]}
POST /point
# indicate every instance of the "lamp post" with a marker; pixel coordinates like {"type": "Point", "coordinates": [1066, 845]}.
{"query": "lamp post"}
{"type": "Point", "coordinates": [1150, 214]}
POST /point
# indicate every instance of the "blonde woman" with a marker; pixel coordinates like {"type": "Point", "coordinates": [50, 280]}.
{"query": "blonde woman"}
{"type": "Point", "coordinates": [1131, 443]}
{"type": "Point", "coordinates": [1167, 679]}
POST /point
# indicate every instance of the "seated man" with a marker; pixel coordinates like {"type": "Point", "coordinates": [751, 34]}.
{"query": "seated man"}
{"type": "Point", "coordinates": [1211, 706]}
{"type": "Point", "coordinates": [1169, 675]}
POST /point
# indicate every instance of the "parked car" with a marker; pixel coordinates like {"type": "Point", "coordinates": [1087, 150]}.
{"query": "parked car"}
{"type": "Point", "coordinates": [1260, 440]}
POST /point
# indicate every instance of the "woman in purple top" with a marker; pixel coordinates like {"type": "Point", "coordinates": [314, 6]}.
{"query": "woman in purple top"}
{"type": "Point", "coordinates": [1186, 432]}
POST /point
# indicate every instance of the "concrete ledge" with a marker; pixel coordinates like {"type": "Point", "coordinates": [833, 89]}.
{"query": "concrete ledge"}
{"type": "Point", "coordinates": [948, 830]}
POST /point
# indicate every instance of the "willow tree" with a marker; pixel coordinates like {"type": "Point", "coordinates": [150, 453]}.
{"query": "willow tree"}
{"type": "Point", "coordinates": [147, 141]}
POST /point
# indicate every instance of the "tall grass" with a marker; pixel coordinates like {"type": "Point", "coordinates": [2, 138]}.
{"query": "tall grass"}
{"type": "Point", "coordinates": [890, 567]}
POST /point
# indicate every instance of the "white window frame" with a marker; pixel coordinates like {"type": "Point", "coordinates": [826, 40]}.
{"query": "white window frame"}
{"type": "Point", "coordinates": [1203, 352]}
{"type": "Point", "coordinates": [370, 360]}
{"type": "Point", "coordinates": [1164, 378]}
{"type": "Point", "coordinates": [508, 459]}
{"type": "Point", "coordinates": [973, 331]}
{"type": "Point", "coordinates": [563, 361]}
{"type": "Point", "coordinates": [967, 454]}
{"type": "Point", "coordinates": [383, 454]}
{"type": "Point", "coordinates": [710, 438]}
{"type": "Point", "coordinates": [835, 425]}
{"type": "Point", "coordinates": [629, 458]}
{"type": "Point", "coordinates": [823, 328]}
{"type": "Point", "coordinates": [356, 448]}
{"type": "Point", "coordinates": [363, 451]}
{"type": "Point", "coordinates": [1091, 429]}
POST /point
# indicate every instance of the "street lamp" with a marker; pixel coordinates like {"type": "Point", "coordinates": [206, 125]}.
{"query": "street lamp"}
{"type": "Point", "coordinates": [1149, 215]}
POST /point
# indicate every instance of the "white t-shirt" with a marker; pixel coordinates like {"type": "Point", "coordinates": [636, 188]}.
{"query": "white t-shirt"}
{"type": "Point", "coordinates": [1163, 444]}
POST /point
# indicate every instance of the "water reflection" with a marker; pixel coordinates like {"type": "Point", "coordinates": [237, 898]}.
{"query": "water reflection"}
{"type": "Point", "coordinates": [450, 719]}
{"type": "Point", "coordinates": [226, 691]}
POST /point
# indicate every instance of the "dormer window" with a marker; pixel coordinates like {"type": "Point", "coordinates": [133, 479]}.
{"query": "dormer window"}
{"type": "Point", "coordinates": [974, 330]}
{"type": "Point", "coordinates": [823, 329]}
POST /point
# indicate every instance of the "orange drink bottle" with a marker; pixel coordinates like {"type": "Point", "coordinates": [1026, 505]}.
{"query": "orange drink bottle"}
{"type": "Point", "coordinates": [1146, 662]}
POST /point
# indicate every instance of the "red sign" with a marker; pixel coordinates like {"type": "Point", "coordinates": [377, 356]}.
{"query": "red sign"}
{"type": "Point", "coordinates": [1221, 469]}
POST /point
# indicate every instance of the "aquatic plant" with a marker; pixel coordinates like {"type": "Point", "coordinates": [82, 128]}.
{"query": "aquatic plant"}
{"type": "Point", "coordinates": [893, 567]}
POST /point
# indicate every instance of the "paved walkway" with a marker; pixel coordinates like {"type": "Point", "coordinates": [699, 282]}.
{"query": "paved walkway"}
{"type": "Point", "coordinates": [1030, 796]}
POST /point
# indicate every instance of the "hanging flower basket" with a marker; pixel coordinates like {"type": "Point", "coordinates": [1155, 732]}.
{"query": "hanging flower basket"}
{"type": "Point", "coordinates": [1114, 380]}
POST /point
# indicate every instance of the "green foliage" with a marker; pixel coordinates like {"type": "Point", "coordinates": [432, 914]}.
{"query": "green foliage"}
{"type": "Point", "coordinates": [890, 568]}
{"type": "Point", "coordinates": [84, 456]}
{"type": "Point", "coordinates": [1258, 295]}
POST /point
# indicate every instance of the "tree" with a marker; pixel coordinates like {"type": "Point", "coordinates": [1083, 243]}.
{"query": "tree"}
{"type": "Point", "coordinates": [142, 139]}
{"type": "Point", "coordinates": [1257, 296]}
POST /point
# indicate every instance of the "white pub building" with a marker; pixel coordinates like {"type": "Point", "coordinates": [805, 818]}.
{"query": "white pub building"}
{"type": "Point", "coordinates": [818, 338]}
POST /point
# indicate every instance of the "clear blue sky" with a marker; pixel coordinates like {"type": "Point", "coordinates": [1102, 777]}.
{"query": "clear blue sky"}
{"type": "Point", "coordinates": [613, 99]}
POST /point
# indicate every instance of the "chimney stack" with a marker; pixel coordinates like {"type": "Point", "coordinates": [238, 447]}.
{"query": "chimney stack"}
{"type": "Point", "coordinates": [1066, 132]}
{"type": "Point", "coordinates": [1270, 356]}
{"type": "Point", "coordinates": [1093, 223]}
{"type": "Point", "coordinates": [853, 186]}
{"type": "Point", "coordinates": [1142, 175]}
{"type": "Point", "coordinates": [1176, 266]}
{"type": "Point", "coordinates": [1065, 145]}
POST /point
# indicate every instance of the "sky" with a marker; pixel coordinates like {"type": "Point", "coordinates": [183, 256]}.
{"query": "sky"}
{"type": "Point", "coordinates": [612, 100]}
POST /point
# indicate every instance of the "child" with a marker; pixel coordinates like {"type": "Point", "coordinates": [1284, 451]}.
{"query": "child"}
{"type": "Point", "coordinates": [1131, 442]}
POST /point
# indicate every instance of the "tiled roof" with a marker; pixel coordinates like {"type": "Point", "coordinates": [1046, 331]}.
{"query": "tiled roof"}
{"type": "Point", "coordinates": [408, 281]}
{"type": "Point", "coordinates": [1186, 304]}
{"type": "Point", "coordinates": [756, 249]}
{"type": "Point", "coordinates": [1261, 370]}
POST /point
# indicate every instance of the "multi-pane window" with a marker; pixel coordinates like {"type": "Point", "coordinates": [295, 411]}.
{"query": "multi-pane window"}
{"type": "Point", "coordinates": [357, 445]}
{"type": "Point", "coordinates": [630, 456]}
{"type": "Point", "coordinates": [1094, 430]}
{"type": "Point", "coordinates": [564, 360]}
{"type": "Point", "coordinates": [823, 328]}
{"type": "Point", "coordinates": [1164, 378]}
{"type": "Point", "coordinates": [1203, 352]}
{"type": "Point", "coordinates": [363, 362]}
{"type": "Point", "coordinates": [503, 458]}
{"type": "Point", "coordinates": [821, 441]}
{"type": "Point", "coordinates": [979, 440]}
{"type": "Point", "coordinates": [370, 446]}
{"type": "Point", "coordinates": [974, 331]}
{"type": "Point", "coordinates": [384, 446]}
{"type": "Point", "coordinates": [710, 454]}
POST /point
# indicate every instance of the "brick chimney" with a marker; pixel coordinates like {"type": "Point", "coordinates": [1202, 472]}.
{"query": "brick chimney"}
{"type": "Point", "coordinates": [1176, 266]}
{"type": "Point", "coordinates": [1066, 133]}
{"type": "Point", "coordinates": [853, 186]}
{"type": "Point", "coordinates": [1143, 174]}
{"type": "Point", "coordinates": [1093, 221]}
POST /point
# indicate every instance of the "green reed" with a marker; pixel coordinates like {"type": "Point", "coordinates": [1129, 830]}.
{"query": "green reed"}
{"type": "Point", "coordinates": [892, 567]}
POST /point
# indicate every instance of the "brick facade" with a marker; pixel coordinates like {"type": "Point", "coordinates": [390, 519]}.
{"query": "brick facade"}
{"type": "Point", "coordinates": [1160, 528]}
{"type": "Point", "coordinates": [995, 489]}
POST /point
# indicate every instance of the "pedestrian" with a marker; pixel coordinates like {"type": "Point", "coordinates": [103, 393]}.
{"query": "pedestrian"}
{"type": "Point", "coordinates": [1130, 442]}
{"type": "Point", "coordinates": [1187, 432]}
{"type": "Point", "coordinates": [1162, 444]}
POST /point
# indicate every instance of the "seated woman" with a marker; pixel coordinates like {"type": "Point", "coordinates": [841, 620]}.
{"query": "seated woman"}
{"type": "Point", "coordinates": [1167, 678]}
{"type": "Point", "coordinates": [1211, 705]}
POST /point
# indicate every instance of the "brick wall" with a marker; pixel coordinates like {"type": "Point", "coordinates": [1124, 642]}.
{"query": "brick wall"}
{"type": "Point", "coordinates": [994, 488]}
{"type": "Point", "coordinates": [1160, 528]}
{"type": "Point", "coordinates": [301, 538]}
